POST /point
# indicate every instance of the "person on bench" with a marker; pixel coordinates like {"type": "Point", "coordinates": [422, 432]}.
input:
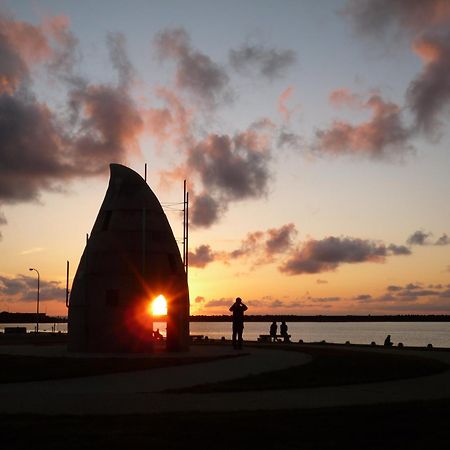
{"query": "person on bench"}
{"type": "Point", "coordinates": [284, 331]}
{"type": "Point", "coordinates": [273, 332]}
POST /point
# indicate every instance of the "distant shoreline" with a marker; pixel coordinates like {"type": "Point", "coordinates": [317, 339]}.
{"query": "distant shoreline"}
{"type": "Point", "coordinates": [7, 317]}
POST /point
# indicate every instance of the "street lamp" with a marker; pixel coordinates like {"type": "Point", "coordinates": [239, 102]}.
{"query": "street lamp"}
{"type": "Point", "coordinates": [37, 308]}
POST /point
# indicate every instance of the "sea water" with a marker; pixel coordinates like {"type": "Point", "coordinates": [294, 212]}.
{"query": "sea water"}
{"type": "Point", "coordinates": [408, 333]}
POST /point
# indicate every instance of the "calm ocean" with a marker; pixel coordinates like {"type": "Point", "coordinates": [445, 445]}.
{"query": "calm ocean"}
{"type": "Point", "coordinates": [409, 333]}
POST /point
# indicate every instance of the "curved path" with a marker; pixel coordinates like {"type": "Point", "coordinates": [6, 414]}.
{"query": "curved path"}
{"type": "Point", "coordinates": [140, 392]}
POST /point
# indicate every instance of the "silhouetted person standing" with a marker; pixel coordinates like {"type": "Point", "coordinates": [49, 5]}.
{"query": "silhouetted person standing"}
{"type": "Point", "coordinates": [238, 308]}
{"type": "Point", "coordinates": [273, 331]}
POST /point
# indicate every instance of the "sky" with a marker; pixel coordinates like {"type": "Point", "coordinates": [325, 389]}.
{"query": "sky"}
{"type": "Point", "coordinates": [314, 137]}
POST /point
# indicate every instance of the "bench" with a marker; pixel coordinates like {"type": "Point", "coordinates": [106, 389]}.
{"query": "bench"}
{"type": "Point", "coordinates": [279, 338]}
{"type": "Point", "coordinates": [15, 330]}
{"type": "Point", "coordinates": [197, 337]}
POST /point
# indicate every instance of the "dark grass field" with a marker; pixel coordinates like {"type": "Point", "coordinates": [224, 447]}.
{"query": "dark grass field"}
{"type": "Point", "coordinates": [409, 426]}
{"type": "Point", "coordinates": [414, 425]}
{"type": "Point", "coordinates": [16, 369]}
{"type": "Point", "coordinates": [331, 366]}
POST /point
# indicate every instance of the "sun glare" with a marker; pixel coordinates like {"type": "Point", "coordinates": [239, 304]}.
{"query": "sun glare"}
{"type": "Point", "coordinates": [158, 307]}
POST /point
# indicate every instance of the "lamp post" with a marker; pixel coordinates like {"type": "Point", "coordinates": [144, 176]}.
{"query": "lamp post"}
{"type": "Point", "coordinates": [37, 308]}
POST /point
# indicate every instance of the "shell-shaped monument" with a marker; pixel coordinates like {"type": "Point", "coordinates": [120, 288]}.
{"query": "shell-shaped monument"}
{"type": "Point", "coordinates": [130, 258]}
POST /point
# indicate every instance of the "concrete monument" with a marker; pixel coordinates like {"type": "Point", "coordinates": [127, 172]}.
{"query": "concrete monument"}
{"type": "Point", "coordinates": [130, 258]}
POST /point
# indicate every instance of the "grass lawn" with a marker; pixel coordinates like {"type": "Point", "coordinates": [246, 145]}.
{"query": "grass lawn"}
{"type": "Point", "coordinates": [16, 369]}
{"type": "Point", "coordinates": [410, 426]}
{"type": "Point", "coordinates": [330, 366]}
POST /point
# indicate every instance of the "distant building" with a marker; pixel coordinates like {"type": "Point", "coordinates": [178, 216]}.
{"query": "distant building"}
{"type": "Point", "coordinates": [131, 257]}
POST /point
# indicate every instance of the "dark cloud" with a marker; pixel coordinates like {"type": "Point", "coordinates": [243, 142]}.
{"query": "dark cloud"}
{"type": "Point", "coordinates": [363, 297]}
{"type": "Point", "coordinates": [227, 302]}
{"type": "Point", "coordinates": [399, 249]}
{"type": "Point", "coordinates": [324, 299]}
{"type": "Point", "coordinates": [269, 63]}
{"type": "Point", "coordinates": [195, 71]}
{"type": "Point", "coordinates": [205, 210]}
{"type": "Point", "coordinates": [290, 140]}
{"type": "Point", "coordinates": [376, 17]}
{"type": "Point", "coordinates": [393, 288]}
{"type": "Point", "coordinates": [230, 169]}
{"type": "Point", "coordinates": [264, 246]}
{"type": "Point", "coordinates": [428, 22]}
{"type": "Point", "coordinates": [13, 69]}
{"type": "Point", "coordinates": [24, 288]}
{"type": "Point", "coordinates": [428, 95]}
{"type": "Point", "coordinates": [39, 162]}
{"type": "Point", "coordinates": [201, 257]}
{"type": "Point", "coordinates": [317, 256]}
{"type": "Point", "coordinates": [382, 137]}
{"type": "Point", "coordinates": [281, 239]}
{"type": "Point", "coordinates": [39, 149]}
{"type": "Point", "coordinates": [412, 286]}
{"type": "Point", "coordinates": [249, 246]}
{"type": "Point", "coordinates": [418, 238]}
{"type": "Point", "coordinates": [119, 57]}
{"type": "Point", "coordinates": [443, 240]}
{"type": "Point", "coordinates": [414, 293]}
{"type": "Point", "coordinates": [108, 123]}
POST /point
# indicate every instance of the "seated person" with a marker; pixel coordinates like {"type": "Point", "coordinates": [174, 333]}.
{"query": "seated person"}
{"type": "Point", "coordinates": [273, 331]}
{"type": "Point", "coordinates": [387, 341]}
{"type": "Point", "coordinates": [284, 331]}
{"type": "Point", "coordinates": [157, 335]}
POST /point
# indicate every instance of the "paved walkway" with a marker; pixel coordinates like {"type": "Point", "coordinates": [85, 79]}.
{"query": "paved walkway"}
{"type": "Point", "coordinates": [140, 392]}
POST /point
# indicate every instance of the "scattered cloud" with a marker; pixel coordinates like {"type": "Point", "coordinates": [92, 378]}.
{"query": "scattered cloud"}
{"type": "Point", "coordinates": [319, 281]}
{"type": "Point", "coordinates": [443, 240]}
{"type": "Point", "coordinates": [229, 169]}
{"type": "Point", "coordinates": [428, 95]}
{"type": "Point", "coordinates": [227, 302]}
{"type": "Point", "coordinates": [290, 140]}
{"type": "Point", "coordinates": [383, 136]}
{"type": "Point", "coordinates": [279, 240]}
{"type": "Point", "coordinates": [195, 71]}
{"type": "Point", "coordinates": [316, 256]}
{"type": "Point", "coordinates": [100, 124]}
{"type": "Point", "coordinates": [427, 24]}
{"type": "Point", "coordinates": [324, 299]}
{"type": "Point", "coordinates": [283, 99]}
{"type": "Point", "coordinates": [266, 62]}
{"type": "Point", "coordinates": [201, 257]}
{"type": "Point", "coordinates": [24, 288]}
{"type": "Point", "coordinates": [419, 237]}
{"type": "Point", "coordinates": [399, 249]}
{"type": "Point", "coordinates": [377, 17]}
{"type": "Point", "coordinates": [264, 246]}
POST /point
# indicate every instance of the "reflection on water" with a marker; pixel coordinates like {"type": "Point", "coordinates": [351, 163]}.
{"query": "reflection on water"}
{"type": "Point", "coordinates": [409, 333]}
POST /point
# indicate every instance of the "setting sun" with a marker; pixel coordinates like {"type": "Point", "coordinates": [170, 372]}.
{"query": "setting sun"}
{"type": "Point", "coordinates": [158, 307]}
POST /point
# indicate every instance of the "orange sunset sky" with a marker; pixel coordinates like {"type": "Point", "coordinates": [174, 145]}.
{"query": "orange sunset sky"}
{"type": "Point", "coordinates": [314, 137]}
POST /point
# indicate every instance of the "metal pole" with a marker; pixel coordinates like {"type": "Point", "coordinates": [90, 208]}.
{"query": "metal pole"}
{"type": "Point", "coordinates": [67, 284]}
{"type": "Point", "coordinates": [37, 307]}
{"type": "Point", "coordinates": [187, 233]}
{"type": "Point", "coordinates": [145, 172]}
{"type": "Point", "coordinates": [184, 225]}
{"type": "Point", "coordinates": [143, 241]}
